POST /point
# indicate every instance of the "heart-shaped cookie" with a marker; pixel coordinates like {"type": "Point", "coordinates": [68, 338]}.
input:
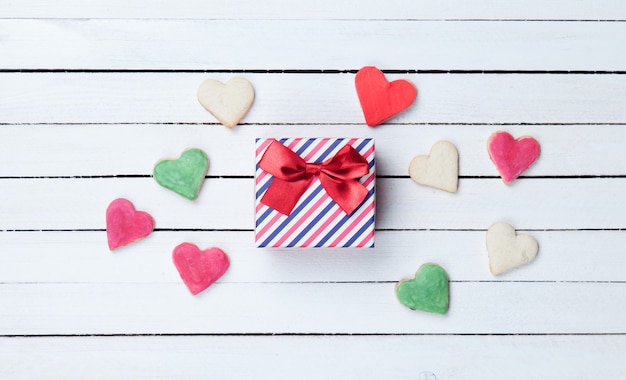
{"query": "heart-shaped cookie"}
{"type": "Point", "coordinates": [228, 102]}
{"type": "Point", "coordinates": [507, 249]}
{"type": "Point", "coordinates": [379, 98]}
{"type": "Point", "coordinates": [126, 225]}
{"type": "Point", "coordinates": [184, 175]}
{"type": "Point", "coordinates": [512, 156]}
{"type": "Point", "coordinates": [428, 291]}
{"type": "Point", "coordinates": [199, 269]}
{"type": "Point", "coordinates": [440, 169]}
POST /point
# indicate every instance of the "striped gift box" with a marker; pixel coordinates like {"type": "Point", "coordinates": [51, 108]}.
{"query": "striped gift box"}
{"type": "Point", "coordinates": [316, 220]}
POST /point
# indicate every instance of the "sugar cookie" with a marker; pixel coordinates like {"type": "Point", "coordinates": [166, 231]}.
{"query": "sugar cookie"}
{"type": "Point", "coordinates": [440, 169]}
{"type": "Point", "coordinates": [228, 102]}
{"type": "Point", "coordinates": [507, 249]}
{"type": "Point", "coordinates": [199, 269]}
{"type": "Point", "coordinates": [184, 175]}
{"type": "Point", "coordinates": [511, 156]}
{"type": "Point", "coordinates": [428, 291]}
{"type": "Point", "coordinates": [126, 225]}
{"type": "Point", "coordinates": [380, 99]}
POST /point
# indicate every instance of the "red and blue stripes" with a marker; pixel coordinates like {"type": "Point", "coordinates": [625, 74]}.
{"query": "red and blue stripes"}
{"type": "Point", "coordinates": [316, 220]}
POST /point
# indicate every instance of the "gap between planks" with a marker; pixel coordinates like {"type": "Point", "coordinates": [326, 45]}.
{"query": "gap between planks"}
{"type": "Point", "coordinates": [260, 334]}
{"type": "Point", "coordinates": [306, 71]}
{"type": "Point", "coordinates": [113, 176]}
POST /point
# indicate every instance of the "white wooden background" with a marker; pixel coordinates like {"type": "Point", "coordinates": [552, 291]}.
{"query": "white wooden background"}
{"type": "Point", "coordinates": [93, 94]}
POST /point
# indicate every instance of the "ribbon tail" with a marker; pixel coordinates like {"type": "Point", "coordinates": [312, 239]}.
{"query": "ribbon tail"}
{"type": "Point", "coordinates": [348, 194]}
{"type": "Point", "coordinates": [283, 196]}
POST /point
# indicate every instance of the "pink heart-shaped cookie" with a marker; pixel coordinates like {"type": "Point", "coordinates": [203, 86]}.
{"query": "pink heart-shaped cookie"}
{"type": "Point", "coordinates": [512, 156]}
{"type": "Point", "coordinates": [125, 224]}
{"type": "Point", "coordinates": [379, 98]}
{"type": "Point", "coordinates": [199, 269]}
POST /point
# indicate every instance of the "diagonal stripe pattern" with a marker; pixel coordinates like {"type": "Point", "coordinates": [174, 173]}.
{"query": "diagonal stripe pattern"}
{"type": "Point", "coordinates": [316, 220]}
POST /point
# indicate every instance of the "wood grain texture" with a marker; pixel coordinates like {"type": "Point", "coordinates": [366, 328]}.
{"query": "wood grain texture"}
{"type": "Point", "coordinates": [353, 357]}
{"type": "Point", "coordinates": [526, 204]}
{"type": "Point", "coordinates": [591, 256]}
{"type": "Point", "coordinates": [583, 150]}
{"type": "Point", "coordinates": [304, 308]}
{"type": "Point", "coordinates": [285, 99]}
{"type": "Point", "coordinates": [93, 94]}
{"type": "Point", "coordinates": [321, 9]}
{"type": "Point", "coordinates": [305, 44]}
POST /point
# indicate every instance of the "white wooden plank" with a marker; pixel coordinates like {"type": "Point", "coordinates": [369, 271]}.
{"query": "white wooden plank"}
{"type": "Point", "coordinates": [306, 44]}
{"type": "Point", "coordinates": [310, 98]}
{"type": "Point", "coordinates": [321, 9]}
{"type": "Point", "coordinates": [38, 257]}
{"type": "Point", "coordinates": [475, 308]}
{"type": "Point", "coordinates": [315, 357]}
{"type": "Point", "coordinates": [401, 204]}
{"type": "Point", "coordinates": [119, 149]}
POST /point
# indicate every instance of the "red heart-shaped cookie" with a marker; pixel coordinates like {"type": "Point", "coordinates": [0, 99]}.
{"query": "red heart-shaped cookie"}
{"type": "Point", "coordinates": [512, 156]}
{"type": "Point", "coordinates": [199, 269]}
{"type": "Point", "coordinates": [379, 98]}
{"type": "Point", "coordinates": [125, 225]}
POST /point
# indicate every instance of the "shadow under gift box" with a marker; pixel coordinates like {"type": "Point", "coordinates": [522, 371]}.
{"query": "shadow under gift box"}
{"type": "Point", "coordinates": [316, 220]}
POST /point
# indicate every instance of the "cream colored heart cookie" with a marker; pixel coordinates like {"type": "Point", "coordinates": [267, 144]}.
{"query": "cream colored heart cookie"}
{"type": "Point", "coordinates": [507, 249]}
{"type": "Point", "coordinates": [440, 169]}
{"type": "Point", "coordinates": [228, 102]}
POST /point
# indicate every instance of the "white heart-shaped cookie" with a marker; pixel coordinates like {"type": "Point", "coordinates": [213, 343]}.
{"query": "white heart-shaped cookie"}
{"type": "Point", "coordinates": [440, 169]}
{"type": "Point", "coordinates": [228, 102]}
{"type": "Point", "coordinates": [507, 249]}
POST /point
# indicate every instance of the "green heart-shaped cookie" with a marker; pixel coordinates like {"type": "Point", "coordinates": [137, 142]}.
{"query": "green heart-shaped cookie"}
{"type": "Point", "coordinates": [185, 175]}
{"type": "Point", "coordinates": [428, 291]}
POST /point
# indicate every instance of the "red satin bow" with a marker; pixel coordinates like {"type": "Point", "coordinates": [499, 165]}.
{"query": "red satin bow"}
{"type": "Point", "coordinates": [292, 176]}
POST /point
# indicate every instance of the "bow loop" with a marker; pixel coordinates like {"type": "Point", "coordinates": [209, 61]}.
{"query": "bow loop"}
{"type": "Point", "coordinates": [292, 175]}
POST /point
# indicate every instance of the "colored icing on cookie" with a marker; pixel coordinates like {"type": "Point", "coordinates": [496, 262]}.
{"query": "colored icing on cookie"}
{"type": "Point", "coordinates": [184, 175]}
{"type": "Point", "coordinates": [126, 225]}
{"type": "Point", "coordinates": [199, 269]}
{"type": "Point", "coordinates": [511, 156]}
{"type": "Point", "coordinates": [380, 99]}
{"type": "Point", "coordinates": [428, 291]}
